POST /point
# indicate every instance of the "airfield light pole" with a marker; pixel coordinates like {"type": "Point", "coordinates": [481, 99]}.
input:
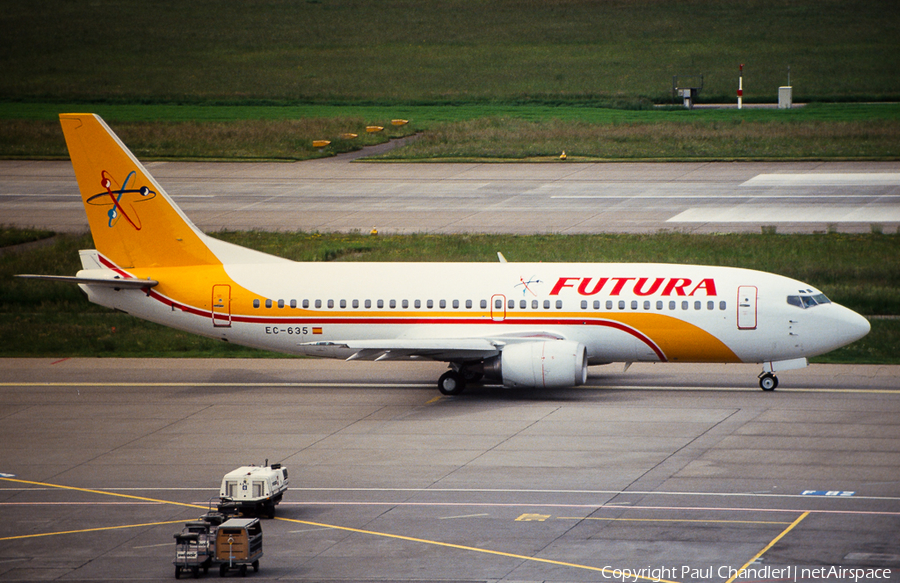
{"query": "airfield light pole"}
{"type": "Point", "coordinates": [741, 88]}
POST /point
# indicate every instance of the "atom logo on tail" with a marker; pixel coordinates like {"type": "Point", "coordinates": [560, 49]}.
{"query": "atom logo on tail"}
{"type": "Point", "coordinates": [118, 198]}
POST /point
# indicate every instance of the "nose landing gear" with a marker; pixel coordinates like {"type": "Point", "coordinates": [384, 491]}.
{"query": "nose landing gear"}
{"type": "Point", "coordinates": [768, 381]}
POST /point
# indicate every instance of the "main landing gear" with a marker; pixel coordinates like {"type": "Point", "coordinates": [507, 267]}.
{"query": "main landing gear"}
{"type": "Point", "coordinates": [451, 383]}
{"type": "Point", "coordinates": [454, 381]}
{"type": "Point", "coordinates": [768, 381]}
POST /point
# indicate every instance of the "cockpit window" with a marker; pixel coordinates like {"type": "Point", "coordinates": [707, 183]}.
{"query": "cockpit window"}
{"type": "Point", "coordinates": [807, 300]}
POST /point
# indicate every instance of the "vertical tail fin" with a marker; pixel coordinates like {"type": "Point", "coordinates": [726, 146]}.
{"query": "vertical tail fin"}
{"type": "Point", "coordinates": [133, 221]}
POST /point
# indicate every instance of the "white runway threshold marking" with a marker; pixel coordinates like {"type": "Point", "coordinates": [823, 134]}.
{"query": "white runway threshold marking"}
{"type": "Point", "coordinates": [833, 179]}
{"type": "Point", "coordinates": [789, 214]}
{"type": "Point", "coordinates": [804, 213]}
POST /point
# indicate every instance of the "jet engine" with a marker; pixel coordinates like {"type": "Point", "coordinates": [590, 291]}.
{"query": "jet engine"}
{"type": "Point", "coordinates": [549, 364]}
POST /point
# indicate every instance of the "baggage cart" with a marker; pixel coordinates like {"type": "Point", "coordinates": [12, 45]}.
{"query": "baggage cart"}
{"type": "Point", "coordinates": [239, 545]}
{"type": "Point", "coordinates": [194, 548]}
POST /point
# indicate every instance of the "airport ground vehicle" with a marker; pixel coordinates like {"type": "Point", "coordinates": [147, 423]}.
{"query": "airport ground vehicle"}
{"type": "Point", "coordinates": [195, 548]}
{"type": "Point", "coordinates": [239, 545]}
{"type": "Point", "coordinates": [253, 490]}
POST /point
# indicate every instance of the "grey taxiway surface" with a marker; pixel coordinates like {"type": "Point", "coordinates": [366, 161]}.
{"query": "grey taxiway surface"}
{"type": "Point", "coordinates": [674, 472]}
{"type": "Point", "coordinates": [684, 472]}
{"type": "Point", "coordinates": [340, 195]}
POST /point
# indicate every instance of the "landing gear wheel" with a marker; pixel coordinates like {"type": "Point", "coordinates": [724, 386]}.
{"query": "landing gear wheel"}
{"type": "Point", "coordinates": [451, 383]}
{"type": "Point", "coordinates": [768, 382]}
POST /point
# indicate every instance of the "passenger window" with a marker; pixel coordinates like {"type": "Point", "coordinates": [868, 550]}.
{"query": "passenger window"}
{"type": "Point", "coordinates": [584, 304]}
{"type": "Point", "coordinates": [330, 303]}
{"type": "Point", "coordinates": [393, 303]}
{"type": "Point", "coordinates": [523, 304]}
{"type": "Point", "coordinates": [483, 304]}
{"type": "Point", "coordinates": [546, 304]}
{"type": "Point", "coordinates": [429, 304]}
{"type": "Point", "coordinates": [455, 304]}
{"type": "Point", "coordinates": [511, 304]}
{"type": "Point", "coordinates": [318, 303]}
{"type": "Point", "coordinates": [710, 305]}
{"type": "Point", "coordinates": [368, 303]}
{"type": "Point", "coordinates": [558, 304]}
{"type": "Point", "coordinates": [293, 303]}
{"type": "Point", "coordinates": [672, 305]}
{"type": "Point", "coordinates": [343, 303]}
{"type": "Point", "coordinates": [443, 303]}
{"type": "Point", "coordinates": [498, 303]}
{"type": "Point", "coordinates": [723, 305]}
{"type": "Point", "coordinates": [404, 304]}
{"type": "Point", "coordinates": [305, 303]}
{"type": "Point", "coordinates": [468, 304]}
{"type": "Point", "coordinates": [646, 304]}
{"type": "Point", "coordinates": [355, 303]}
{"type": "Point", "coordinates": [534, 304]}
{"type": "Point", "coordinates": [685, 305]}
{"type": "Point", "coordinates": [609, 304]}
{"type": "Point", "coordinates": [280, 303]}
{"type": "Point", "coordinates": [380, 304]}
{"type": "Point", "coordinates": [256, 303]}
{"type": "Point", "coordinates": [621, 304]}
{"type": "Point", "coordinates": [697, 305]}
{"type": "Point", "coordinates": [634, 304]}
{"type": "Point", "coordinates": [659, 305]}
{"type": "Point", "coordinates": [596, 304]}
{"type": "Point", "coordinates": [418, 304]}
{"type": "Point", "coordinates": [268, 303]}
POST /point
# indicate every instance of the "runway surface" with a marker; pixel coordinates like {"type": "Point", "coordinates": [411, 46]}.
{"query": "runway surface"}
{"type": "Point", "coordinates": [341, 195]}
{"type": "Point", "coordinates": [672, 472]}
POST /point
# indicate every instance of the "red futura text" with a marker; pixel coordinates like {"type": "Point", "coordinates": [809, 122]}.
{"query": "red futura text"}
{"type": "Point", "coordinates": [639, 286]}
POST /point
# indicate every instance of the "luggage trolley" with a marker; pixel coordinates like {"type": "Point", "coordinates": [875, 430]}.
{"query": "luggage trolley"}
{"type": "Point", "coordinates": [239, 544]}
{"type": "Point", "coordinates": [194, 548]}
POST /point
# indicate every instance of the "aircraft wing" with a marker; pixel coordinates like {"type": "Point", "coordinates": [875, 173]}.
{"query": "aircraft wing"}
{"type": "Point", "coordinates": [431, 348]}
{"type": "Point", "coordinates": [445, 349]}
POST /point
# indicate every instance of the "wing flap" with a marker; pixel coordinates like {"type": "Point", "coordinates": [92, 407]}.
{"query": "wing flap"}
{"type": "Point", "coordinates": [405, 348]}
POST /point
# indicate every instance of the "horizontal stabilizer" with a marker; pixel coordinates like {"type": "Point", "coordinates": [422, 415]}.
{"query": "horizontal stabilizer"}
{"type": "Point", "coordinates": [121, 283]}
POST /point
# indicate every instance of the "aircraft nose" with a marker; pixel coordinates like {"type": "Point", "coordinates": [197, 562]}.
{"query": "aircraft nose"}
{"type": "Point", "coordinates": [860, 326]}
{"type": "Point", "coordinates": [850, 326]}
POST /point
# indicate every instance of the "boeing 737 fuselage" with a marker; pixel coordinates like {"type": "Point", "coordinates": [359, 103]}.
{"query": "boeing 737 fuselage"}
{"type": "Point", "coordinates": [522, 324]}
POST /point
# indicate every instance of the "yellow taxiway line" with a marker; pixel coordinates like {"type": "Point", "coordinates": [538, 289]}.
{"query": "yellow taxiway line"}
{"type": "Point", "coordinates": [102, 528]}
{"type": "Point", "coordinates": [393, 536]}
{"type": "Point", "coordinates": [349, 385]}
{"type": "Point", "coordinates": [318, 525]}
{"type": "Point", "coordinates": [767, 547]}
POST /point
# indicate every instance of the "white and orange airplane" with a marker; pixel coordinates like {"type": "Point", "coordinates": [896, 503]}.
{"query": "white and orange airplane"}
{"type": "Point", "coordinates": [524, 324]}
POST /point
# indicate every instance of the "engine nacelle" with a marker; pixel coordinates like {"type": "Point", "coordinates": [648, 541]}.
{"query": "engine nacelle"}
{"type": "Point", "coordinates": [550, 364]}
